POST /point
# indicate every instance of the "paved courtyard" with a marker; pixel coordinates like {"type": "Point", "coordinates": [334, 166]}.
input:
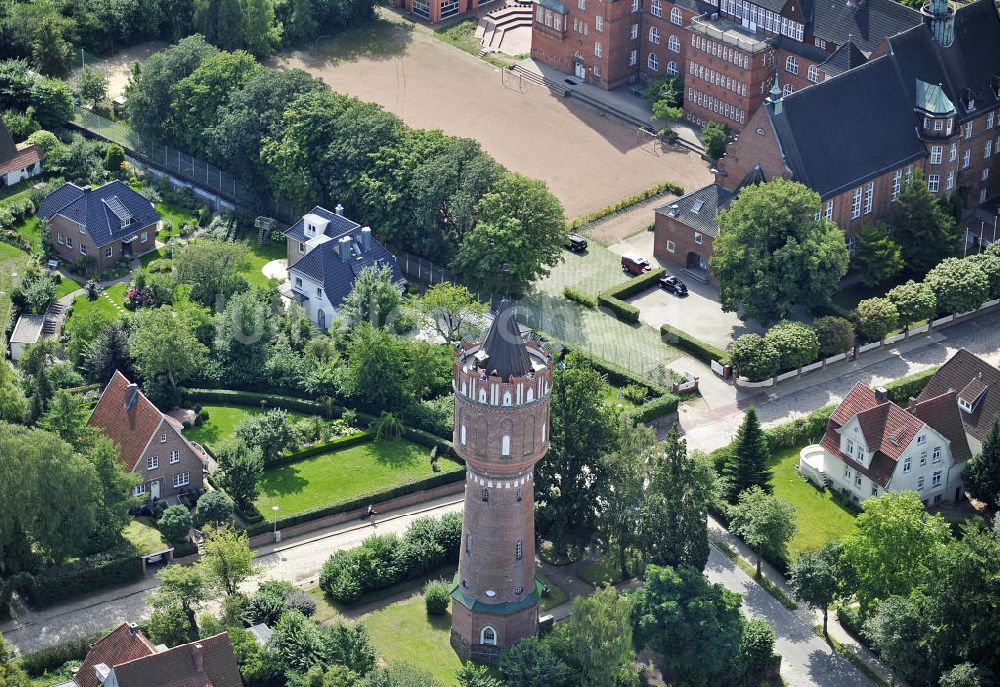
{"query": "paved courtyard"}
{"type": "Point", "coordinates": [587, 159]}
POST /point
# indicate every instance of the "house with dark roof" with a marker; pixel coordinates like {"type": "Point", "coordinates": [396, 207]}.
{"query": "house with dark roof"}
{"type": "Point", "coordinates": [102, 225]}
{"type": "Point", "coordinates": [125, 658]}
{"type": "Point", "coordinates": [17, 162]}
{"type": "Point", "coordinates": [326, 253]}
{"type": "Point", "coordinates": [977, 385]}
{"type": "Point", "coordinates": [150, 443]}
{"type": "Point", "coordinates": [871, 446]}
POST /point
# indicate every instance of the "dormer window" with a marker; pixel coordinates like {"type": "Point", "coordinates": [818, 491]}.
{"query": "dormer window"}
{"type": "Point", "coordinates": [310, 229]}
{"type": "Point", "coordinates": [965, 405]}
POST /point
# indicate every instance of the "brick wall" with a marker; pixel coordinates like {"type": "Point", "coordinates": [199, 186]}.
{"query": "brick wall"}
{"type": "Point", "coordinates": [189, 462]}
{"type": "Point", "coordinates": [667, 229]}
{"type": "Point", "coordinates": [64, 228]}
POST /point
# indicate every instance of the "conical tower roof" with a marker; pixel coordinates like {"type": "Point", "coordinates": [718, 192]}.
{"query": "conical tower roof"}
{"type": "Point", "coordinates": [506, 350]}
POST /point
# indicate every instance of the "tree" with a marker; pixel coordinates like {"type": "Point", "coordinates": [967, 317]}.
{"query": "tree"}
{"type": "Point", "coordinates": [964, 675]}
{"type": "Point", "coordinates": [877, 257]}
{"type": "Point", "coordinates": [876, 318]}
{"type": "Point", "coordinates": [532, 663]}
{"type": "Point", "coordinates": [271, 432]}
{"type": "Point", "coordinates": [989, 263]}
{"type": "Point", "coordinates": [377, 370]}
{"type": "Point", "coordinates": [795, 343]}
{"type": "Point", "coordinates": [716, 136]}
{"type": "Point", "coordinates": [626, 470]}
{"type": "Point", "coordinates": [170, 626]}
{"type": "Point", "coordinates": [242, 467]}
{"type": "Point", "coordinates": [243, 333]}
{"type": "Point", "coordinates": [228, 561]}
{"type": "Point", "coordinates": [93, 86]}
{"type": "Point", "coordinates": [114, 160]}
{"type": "Point", "coordinates": [11, 673]}
{"type": "Point", "coordinates": [214, 507]}
{"type": "Point", "coordinates": [596, 641]}
{"type": "Point", "coordinates": [765, 522]}
{"type": "Point", "coordinates": [772, 252]}
{"type": "Point", "coordinates": [959, 285]}
{"type": "Point", "coordinates": [351, 646]}
{"type": "Point", "coordinates": [982, 476]}
{"type": "Point", "coordinates": [835, 334]}
{"type": "Point", "coordinates": [301, 24]}
{"type": "Point", "coordinates": [109, 353]}
{"type": "Point", "coordinates": [50, 50]}
{"type": "Point", "coordinates": [815, 577]}
{"type": "Point", "coordinates": [373, 297]}
{"type": "Point", "coordinates": [472, 675]}
{"type": "Point", "coordinates": [115, 494]}
{"type": "Point", "coordinates": [66, 417]}
{"type": "Point", "coordinates": [175, 524]}
{"type": "Point", "coordinates": [915, 301]}
{"type": "Point", "coordinates": [754, 658]}
{"type": "Point", "coordinates": [450, 307]}
{"type": "Point", "coordinates": [296, 643]}
{"type": "Point", "coordinates": [13, 404]}
{"type": "Point", "coordinates": [891, 549]}
{"type": "Point", "coordinates": [748, 462]}
{"type": "Point", "coordinates": [569, 478]}
{"type": "Point", "coordinates": [924, 230]}
{"type": "Point", "coordinates": [518, 237]}
{"type": "Point", "coordinates": [753, 357]}
{"type": "Point", "coordinates": [214, 268]}
{"type": "Point", "coordinates": [896, 630]}
{"type": "Point", "coordinates": [259, 34]}
{"type": "Point", "coordinates": [182, 586]}
{"type": "Point", "coordinates": [693, 624]}
{"type": "Point", "coordinates": [163, 344]}
{"type": "Point", "coordinates": [673, 522]}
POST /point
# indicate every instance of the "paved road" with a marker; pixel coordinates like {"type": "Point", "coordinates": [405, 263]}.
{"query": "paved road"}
{"type": "Point", "coordinates": [806, 659]}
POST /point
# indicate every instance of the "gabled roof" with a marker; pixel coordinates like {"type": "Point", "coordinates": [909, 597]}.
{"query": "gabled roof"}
{"type": "Point", "coordinates": [888, 428]}
{"type": "Point", "coordinates": [846, 57]}
{"type": "Point", "coordinates": [337, 224]}
{"type": "Point", "coordinates": [130, 428]}
{"type": "Point", "coordinates": [956, 375]}
{"type": "Point", "coordinates": [25, 155]}
{"type": "Point", "coordinates": [864, 22]}
{"type": "Point", "coordinates": [942, 413]}
{"type": "Point", "coordinates": [700, 209]}
{"type": "Point", "coordinates": [125, 643]}
{"type": "Point", "coordinates": [504, 346]}
{"type": "Point", "coordinates": [102, 211]}
{"type": "Point", "coordinates": [208, 662]}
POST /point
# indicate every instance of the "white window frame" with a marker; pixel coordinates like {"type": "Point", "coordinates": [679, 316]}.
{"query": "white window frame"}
{"type": "Point", "coordinates": [143, 237]}
{"type": "Point", "coordinates": [654, 35]}
{"type": "Point", "coordinates": [676, 16]}
{"type": "Point", "coordinates": [633, 57]}
{"type": "Point", "coordinates": [953, 152]}
{"type": "Point", "coordinates": [175, 456]}
{"type": "Point", "coordinates": [163, 437]}
{"type": "Point", "coordinates": [920, 483]}
{"type": "Point", "coordinates": [966, 158]}
{"type": "Point", "coordinates": [518, 550]}
{"type": "Point", "coordinates": [139, 489]}
{"type": "Point", "coordinates": [635, 5]}
{"type": "Point", "coordinates": [933, 183]}
{"type": "Point", "coordinates": [656, 8]}
{"type": "Point", "coordinates": [897, 179]}
{"type": "Point", "coordinates": [907, 463]}
{"type": "Point", "coordinates": [987, 149]}
{"type": "Point", "coordinates": [673, 44]}
{"type": "Point", "coordinates": [869, 197]}
{"type": "Point", "coordinates": [936, 455]}
{"type": "Point", "coordinates": [181, 479]}
{"type": "Point", "coordinates": [671, 246]}
{"type": "Point", "coordinates": [152, 462]}
{"type": "Point", "coordinates": [599, 23]}
{"type": "Point", "coordinates": [791, 65]}
{"type": "Point", "coordinates": [828, 213]}
{"type": "Point", "coordinates": [653, 62]}
{"type": "Point", "coordinates": [813, 73]}
{"type": "Point", "coordinates": [633, 31]}
{"type": "Point", "coordinates": [598, 49]}
{"type": "Point", "coordinates": [491, 639]}
{"type": "Point", "coordinates": [936, 478]}
{"type": "Point", "coordinates": [856, 203]}
{"type": "Point", "coordinates": [949, 183]}
{"type": "Point", "coordinates": [83, 249]}
{"type": "Point", "coordinates": [937, 154]}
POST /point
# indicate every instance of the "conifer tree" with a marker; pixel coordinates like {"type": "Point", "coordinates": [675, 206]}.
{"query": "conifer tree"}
{"type": "Point", "coordinates": [982, 476]}
{"type": "Point", "coordinates": [747, 466]}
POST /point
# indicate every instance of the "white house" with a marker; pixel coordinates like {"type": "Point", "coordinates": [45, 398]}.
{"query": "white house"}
{"type": "Point", "coordinates": [326, 253]}
{"type": "Point", "coordinates": [17, 163]}
{"type": "Point", "coordinates": [871, 446]}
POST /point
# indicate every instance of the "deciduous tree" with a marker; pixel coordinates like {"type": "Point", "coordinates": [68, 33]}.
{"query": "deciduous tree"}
{"type": "Point", "coordinates": [228, 561]}
{"type": "Point", "coordinates": [915, 301]}
{"type": "Point", "coordinates": [626, 470]}
{"type": "Point", "coordinates": [374, 297]}
{"type": "Point", "coordinates": [596, 641]}
{"type": "Point", "coordinates": [162, 346]}
{"type": "Point", "coordinates": [13, 404]}
{"type": "Point", "coordinates": [815, 577]}
{"type": "Point", "coordinates": [214, 268]}
{"type": "Point", "coordinates": [242, 467]}
{"type": "Point", "coordinates": [765, 522]}
{"type": "Point", "coordinates": [795, 343]}
{"type": "Point", "coordinates": [982, 476]}
{"type": "Point", "coordinates": [959, 285]}
{"type": "Point", "coordinates": [450, 307]}
{"type": "Point", "coordinates": [835, 334]}
{"type": "Point", "coordinates": [753, 357]}
{"type": "Point", "coordinates": [93, 86]}
{"type": "Point", "coordinates": [532, 663]}
{"type": "Point", "coordinates": [185, 587]}
{"type": "Point", "coordinates": [271, 432]}
{"type": "Point", "coordinates": [876, 318]}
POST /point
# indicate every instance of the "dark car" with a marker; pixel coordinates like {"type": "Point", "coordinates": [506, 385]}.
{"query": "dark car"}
{"type": "Point", "coordinates": [635, 264]}
{"type": "Point", "coordinates": [673, 284]}
{"type": "Point", "coordinates": [576, 243]}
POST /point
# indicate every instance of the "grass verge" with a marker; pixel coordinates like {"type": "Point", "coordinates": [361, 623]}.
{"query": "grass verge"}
{"type": "Point", "coordinates": [750, 570]}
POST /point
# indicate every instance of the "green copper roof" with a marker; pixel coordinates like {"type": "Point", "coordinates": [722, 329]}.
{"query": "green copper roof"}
{"type": "Point", "coordinates": [506, 608]}
{"type": "Point", "coordinates": [932, 100]}
{"type": "Point", "coordinates": [553, 5]}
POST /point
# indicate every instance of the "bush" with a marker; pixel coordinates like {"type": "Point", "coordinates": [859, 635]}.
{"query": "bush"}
{"type": "Point", "coordinates": [634, 393]}
{"type": "Point", "coordinates": [698, 349]}
{"type": "Point", "coordinates": [901, 390]}
{"type": "Point", "coordinates": [753, 357]}
{"type": "Point", "coordinates": [272, 599]}
{"type": "Point", "coordinates": [50, 658]}
{"type": "Point", "coordinates": [116, 566]}
{"type": "Point", "coordinates": [636, 284]}
{"type": "Point", "coordinates": [915, 301]}
{"type": "Point", "coordinates": [664, 187]}
{"type": "Point", "coordinates": [716, 137]}
{"type": "Point", "coordinates": [580, 297]}
{"type": "Point", "coordinates": [175, 524]}
{"type": "Point", "coordinates": [795, 343]}
{"type": "Point", "coordinates": [658, 407]}
{"type": "Point", "coordinates": [835, 334]}
{"type": "Point", "coordinates": [626, 312]}
{"type": "Point", "coordinates": [959, 285]}
{"type": "Point", "coordinates": [876, 318]}
{"type": "Point", "coordinates": [437, 596]}
{"type": "Point", "coordinates": [215, 507]}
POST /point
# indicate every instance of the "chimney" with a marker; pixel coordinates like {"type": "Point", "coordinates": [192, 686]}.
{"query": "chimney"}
{"type": "Point", "coordinates": [131, 394]}
{"type": "Point", "coordinates": [366, 239]}
{"type": "Point", "coordinates": [345, 248]}
{"type": "Point", "coordinates": [133, 629]}
{"type": "Point", "coordinates": [101, 672]}
{"type": "Point", "coordinates": [339, 209]}
{"type": "Point", "coordinates": [881, 395]}
{"type": "Point", "coordinates": [674, 210]}
{"type": "Point", "coordinates": [198, 656]}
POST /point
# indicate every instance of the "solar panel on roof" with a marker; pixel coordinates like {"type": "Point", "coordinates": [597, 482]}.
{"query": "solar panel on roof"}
{"type": "Point", "coordinates": [121, 212]}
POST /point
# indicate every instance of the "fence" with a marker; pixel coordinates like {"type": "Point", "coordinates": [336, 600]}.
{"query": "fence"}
{"type": "Point", "coordinates": [191, 169]}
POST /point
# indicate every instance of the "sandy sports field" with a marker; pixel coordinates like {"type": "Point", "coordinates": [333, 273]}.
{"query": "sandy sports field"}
{"type": "Point", "coordinates": [588, 160]}
{"type": "Point", "coordinates": [118, 67]}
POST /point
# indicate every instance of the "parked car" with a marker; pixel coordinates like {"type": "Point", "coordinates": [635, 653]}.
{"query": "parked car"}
{"type": "Point", "coordinates": [576, 243]}
{"type": "Point", "coordinates": [674, 285]}
{"type": "Point", "coordinates": [635, 264]}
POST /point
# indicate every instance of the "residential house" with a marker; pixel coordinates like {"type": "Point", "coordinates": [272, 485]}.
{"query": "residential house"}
{"type": "Point", "coordinates": [872, 446]}
{"type": "Point", "coordinates": [27, 331]}
{"type": "Point", "coordinates": [125, 658]}
{"type": "Point", "coordinates": [103, 224]}
{"type": "Point", "coordinates": [17, 162]}
{"type": "Point", "coordinates": [326, 253]}
{"type": "Point", "coordinates": [929, 100]}
{"type": "Point", "coordinates": [977, 384]}
{"type": "Point", "coordinates": [150, 443]}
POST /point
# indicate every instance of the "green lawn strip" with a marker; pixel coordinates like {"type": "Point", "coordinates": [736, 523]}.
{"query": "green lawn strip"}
{"type": "Point", "coordinates": [340, 475]}
{"type": "Point", "coordinates": [67, 286]}
{"type": "Point", "coordinates": [83, 305]}
{"type": "Point", "coordinates": [12, 261]}
{"type": "Point", "coordinates": [620, 404]}
{"type": "Point", "coordinates": [22, 189]}
{"type": "Point", "coordinates": [403, 632]}
{"type": "Point", "coordinates": [222, 421]}
{"type": "Point", "coordinates": [750, 570]}
{"type": "Point", "coordinates": [462, 35]}
{"type": "Point", "coordinates": [820, 519]}
{"type": "Point", "coordinates": [607, 570]}
{"type": "Point", "coordinates": [29, 229]}
{"type": "Point", "coordinates": [143, 533]}
{"type": "Point", "coordinates": [854, 659]}
{"type": "Point", "coordinates": [556, 596]}
{"type": "Point", "coordinates": [260, 256]}
{"type": "Point", "coordinates": [176, 215]}
{"type": "Point", "coordinates": [151, 256]}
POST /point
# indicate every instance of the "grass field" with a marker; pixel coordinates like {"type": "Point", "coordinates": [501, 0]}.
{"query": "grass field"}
{"type": "Point", "coordinates": [222, 421]}
{"type": "Point", "coordinates": [260, 256]}
{"type": "Point", "coordinates": [145, 536]}
{"type": "Point", "coordinates": [462, 35]}
{"type": "Point", "coordinates": [176, 215]}
{"type": "Point", "coordinates": [67, 286]}
{"type": "Point", "coordinates": [820, 518]}
{"type": "Point", "coordinates": [621, 404]}
{"type": "Point", "coordinates": [82, 305]}
{"type": "Point", "coordinates": [12, 262]}
{"type": "Point", "coordinates": [29, 229]}
{"type": "Point", "coordinates": [341, 475]}
{"type": "Point", "coordinates": [403, 632]}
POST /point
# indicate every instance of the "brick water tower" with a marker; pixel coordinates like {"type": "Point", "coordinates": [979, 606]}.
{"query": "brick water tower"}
{"type": "Point", "coordinates": [502, 387]}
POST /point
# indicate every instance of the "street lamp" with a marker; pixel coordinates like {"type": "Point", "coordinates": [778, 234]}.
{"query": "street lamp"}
{"type": "Point", "coordinates": [275, 509]}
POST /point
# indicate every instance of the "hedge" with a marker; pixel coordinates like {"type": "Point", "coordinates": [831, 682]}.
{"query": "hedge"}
{"type": "Point", "coordinates": [705, 352]}
{"type": "Point", "coordinates": [663, 187]}
{"type": "Point", "coordinates": [616, 375]}
{"type": "Point", "coordinates": [901, 390]}
{"type": "Point", "coordinates": [322, 447]}
{"type": "Point", "coordinates": [251, 398]}
{"type": "Point", "coordinates": [112, 568]}
{"type": "Point", "coordinates": [580, 297]}
{"type": "Point", "coordinates": [626, 312]}
{"type": "Point", "coordinates": [788, 434]}
{"type": "Point", "coordinates": [636, 284]}
{"type": "Point", "coordinates": [37, 663]}
{"type": "Point", "coordinates": [658, 407]}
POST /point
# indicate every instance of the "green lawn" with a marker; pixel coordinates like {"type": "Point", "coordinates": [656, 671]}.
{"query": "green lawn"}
{"type": "Point", "coordinates": [82, 305]}
{"type": "Point", "coordinates": [12, 261]}
{"type": "Point", "coordinates": [260, 256]}
{"type": "Point", "coordinates": [820, 518]}
{"type": "Point", "coordinates": [145, 536]}
{"type": "Point", "coordinates": [556, 597]}
{"type": "Point", "coordinates": [403, 632]}
{"type": "Point", "coordinates": [176, 215]}
{"type": "Point", "coordinates": [222, 421]}
{"type": "Point", "coordinates": [29, 229]}
{"type": "Point", "coordinates": [621, 404]}
{"type": "Point", "coordinates": [22, 189]}
{"type": "Point", "coordinates": [606, 569]}
{"type": "Point", "coordinates": [462, 35]}
{"type": "Point", "coordinates": [67, 286]}
{"type": "Point", "coordinates": [341, 475]}
{"type": "Point", "coordinates": [151, 256]}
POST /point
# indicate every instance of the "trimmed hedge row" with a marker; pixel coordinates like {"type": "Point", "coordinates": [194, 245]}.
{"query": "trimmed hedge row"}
{"type": "Point", "coordinates": [901, 390]}
{"type": "Point", "coordinates": [112, 568]}
{"type": "Point", "coordinates": [618, 376]}
{"type": "Point", "coordinates": [626, 312]}
{"type": "Point", "coordinates": [323, 447]}
{"type": "Point", "coordinates": [705, 352]}
{"type": "Point", "coordinates": [579, 296]}
{"type": "Point", "coordinates": [636, 284]}
{"type": "Point", "coordinates": [252, 398]}
{"type": "Point", "coordinates": [624, 203]}
{"type": "Point", "coordinates": [658, 407]}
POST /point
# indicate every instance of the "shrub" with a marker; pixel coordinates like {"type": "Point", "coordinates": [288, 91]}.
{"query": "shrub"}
{"type": "Point", "coordinates": [215, 507]}
{"type": "Point", "coordinates": [580, 297]}
{"type": "Point", "coordinates": [175, 524]}
{"type": "Point", "coordinates": [300, 601]}
{"type": "Point", "coordinates": [116, 566]}
{"type": "Point", "coordinates": [716, 137]}
{"type": "Point", "coordinates": [634, 393]}
{"type": "Point", "coordinates": [657, 407]}
{"type": "Point", "coordinates": [795, 343]}
{"type": "Point", "coordinates": [437, 596]}
{"type": "Point", "coordinates": [50, 658]}
{"type": "Point", "coordinates": [700, 350]}
{"type": "Point", "coordinates": [753, 357]}
{"type": "Point", "coordinates": [835, 334]}
{"type": "Point", "coordinates": [915, 301]}
{"type": "Point", "coordinates": [901, 390]}
{"type": "Point", "coordinates": [636, 284]}
{"type": "Point", "coordinates": [989, 263]}
{"type": "Point", "coordinates": [876, 318]}
{"type": "Point", "coordinates": [959, 285]}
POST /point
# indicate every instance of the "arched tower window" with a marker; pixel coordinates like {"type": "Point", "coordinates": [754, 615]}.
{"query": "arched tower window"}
{"type": "Point", "coordinates": [463, 435]}
{"type": "Point", "coordinates": [505, 446]}
{"type": "Point", "coordinates": [543, 432]}
{"type": "Point", "coordinates": [518, 550]}
{"type": "Point", "coordinates": [506, 432]}
{"type": "Point", "coordinates": [488, 636]}
{"type": "Point", "coordinates": [482, 395]}
{"type": "Point", "coordinates": [520, 494]}
{"type": "Point", "coordinates": [530, 396]}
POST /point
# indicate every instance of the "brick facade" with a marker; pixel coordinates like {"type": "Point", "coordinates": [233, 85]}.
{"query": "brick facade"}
{"type": "Point", "coordinates": [71, 242]}
{"type": "Point", "coordinates": [435, 10]}
{"type": "Point", "coordinates": [165, 441]}
{"type": "Point", "coordinates": [678, 244]}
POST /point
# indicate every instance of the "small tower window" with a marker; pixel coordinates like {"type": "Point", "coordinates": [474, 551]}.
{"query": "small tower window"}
{"type": "Point", "coordinates": [520, 494]}
{"type": "Point", "coordinates": [463, 435]}
{"type": "Point", "coordinates": [518, 550]}
{"type": "Point", "coordinates": [468, 543]}
{"type": "Point", "coordinates": [507, 400]}
{"type": "Point", "coordinates": [486, 494]}
{"type": "Point", "coordinates": [482, 395]}
{"type": "Point", "coordinates": [505, 446]}
{"type": "Point", "coordinates": [488, 636]}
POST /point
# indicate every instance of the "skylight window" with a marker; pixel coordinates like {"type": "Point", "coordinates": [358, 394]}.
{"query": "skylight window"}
{"type": "Point", "coordinates": [698, 205]}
